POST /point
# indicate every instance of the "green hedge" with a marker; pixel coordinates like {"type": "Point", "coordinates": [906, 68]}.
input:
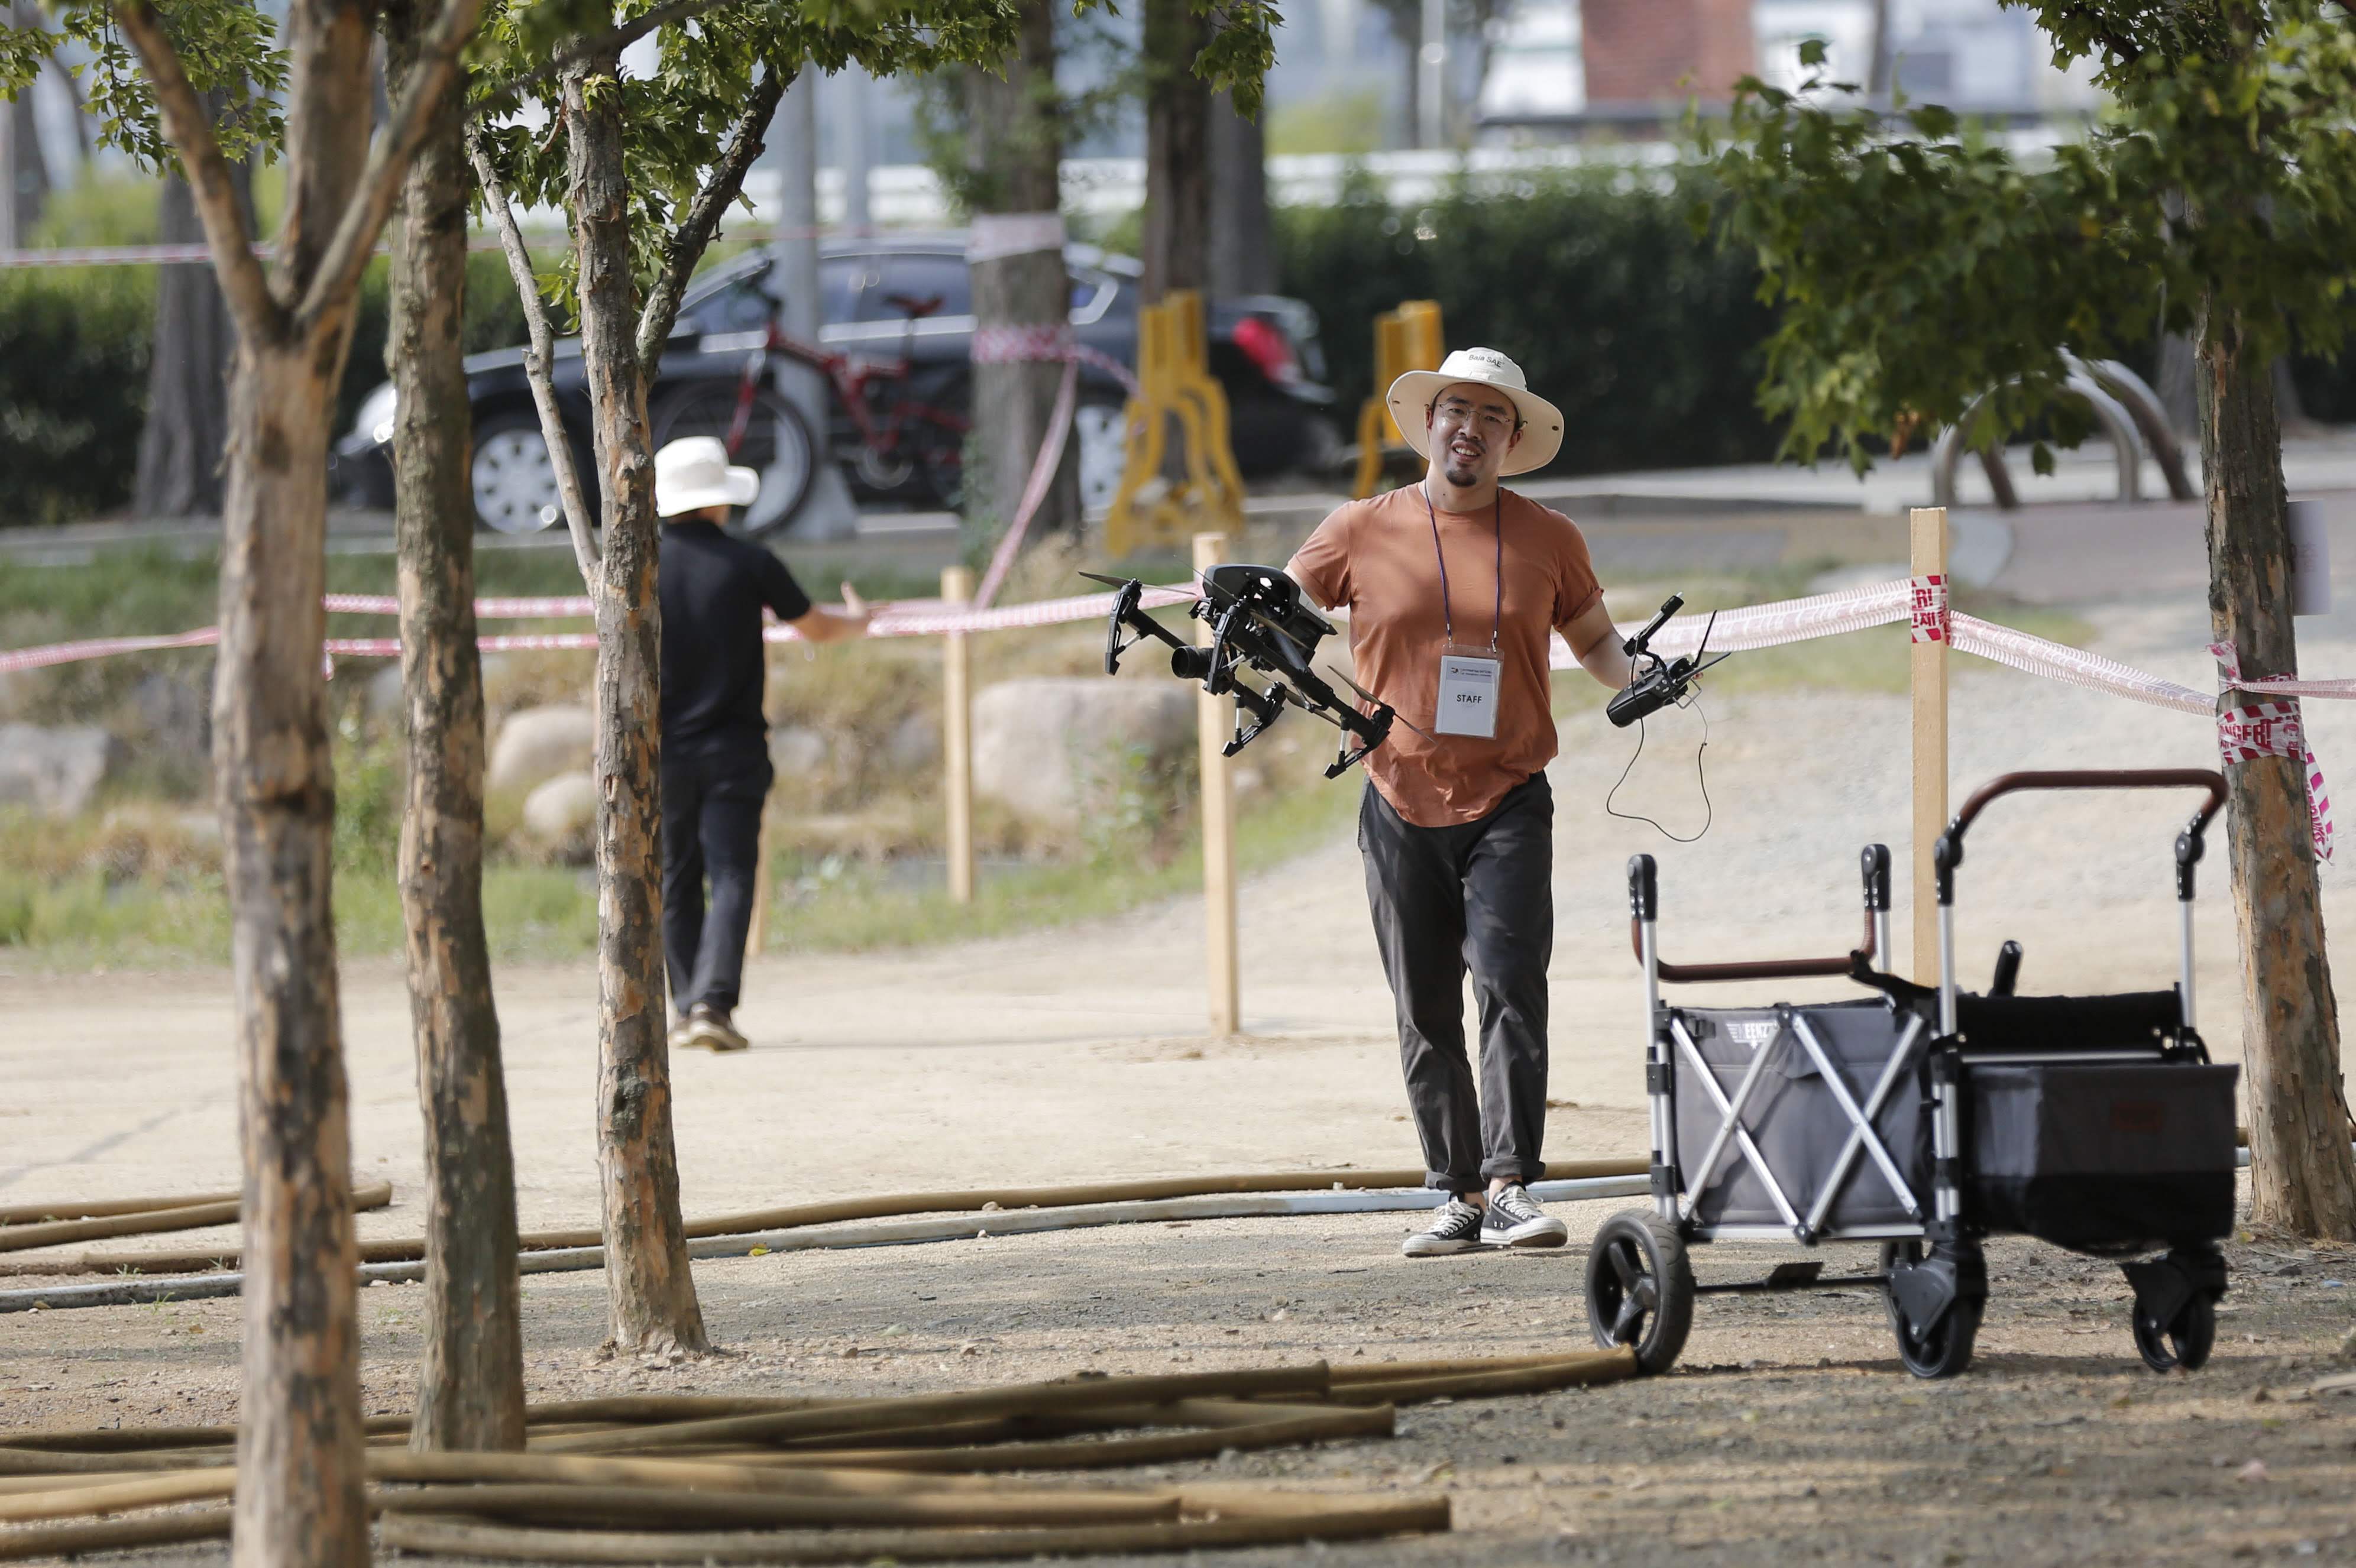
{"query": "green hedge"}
{"type": "Point", "coordinates": [73, 382]}
{"type": "Point", "coordinates": [1645, 336]}
{"type": "Point", "coordinates": [74, 348]}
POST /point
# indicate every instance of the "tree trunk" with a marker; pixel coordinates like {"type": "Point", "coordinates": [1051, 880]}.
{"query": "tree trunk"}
{"type": "Point", "coordinates": [1177, 240]}
{"type": "Point", "coordinates": [2302, 1176]}
{"type": "Point", "coordinates": [1015, 140]}
{"type": "Point", "coordinates": [651, 1295]}
{"type": "Point", "coordinates": [1243, 253]}
{"type": "Point", "coordinates": [299, 1494]}
{"type": "Point", "coordinates": [187, 410]}
{"type": "Point", "coordinates": [470, 1377]}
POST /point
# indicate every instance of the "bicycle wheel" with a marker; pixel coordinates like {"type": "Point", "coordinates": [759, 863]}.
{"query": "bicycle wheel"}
{"type": "Point", "coordinates": [772, 439]}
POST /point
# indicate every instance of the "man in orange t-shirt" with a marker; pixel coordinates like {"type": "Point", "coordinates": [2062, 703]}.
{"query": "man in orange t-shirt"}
{"type": "Point", "coordinates": [1454, 587]}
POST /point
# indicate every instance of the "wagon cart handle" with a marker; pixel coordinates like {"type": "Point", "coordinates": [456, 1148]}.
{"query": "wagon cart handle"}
{"type": "Point", "coordinates": [1948, 853]}
{"type": "Point", "coordinates": [1643, 907]}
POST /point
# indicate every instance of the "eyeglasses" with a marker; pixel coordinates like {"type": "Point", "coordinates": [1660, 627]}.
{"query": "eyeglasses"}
{"type": "Point", "coordinates": [1493, 422]}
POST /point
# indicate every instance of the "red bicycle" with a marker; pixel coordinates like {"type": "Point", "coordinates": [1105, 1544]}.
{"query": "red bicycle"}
{"type": "Point", "coordinates": [903, 441]}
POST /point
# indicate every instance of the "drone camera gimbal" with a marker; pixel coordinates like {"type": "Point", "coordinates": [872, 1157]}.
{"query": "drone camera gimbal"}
{"type": "Point", "coordinates": [1258, 622]}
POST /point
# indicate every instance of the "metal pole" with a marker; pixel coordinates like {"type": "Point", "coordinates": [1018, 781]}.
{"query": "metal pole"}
{"type": "Point", "coordinates": [1928, 528]}
{"type": "Point", "coordinates": [858, 144]}
{"type": "Point", "coordinates": [1212, 726]}
{"type": "Point", "coordinates": [957, 738]}
{"type": "Point", "coordinates": [827, 513]}
{"type": "Point", "coordinates": [1431, 77]}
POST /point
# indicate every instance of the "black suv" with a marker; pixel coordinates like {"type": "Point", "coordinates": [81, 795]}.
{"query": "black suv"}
{"type": "Point", "coordinates": [1264, 350]}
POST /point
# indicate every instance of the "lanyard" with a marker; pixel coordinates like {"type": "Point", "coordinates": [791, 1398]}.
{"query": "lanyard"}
{"type": "Point", "coordinates": [1496, 615]}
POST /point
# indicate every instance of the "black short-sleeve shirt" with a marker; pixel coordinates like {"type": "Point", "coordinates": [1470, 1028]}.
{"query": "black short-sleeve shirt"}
{"type": "Point", "coordinates": [712, 589]}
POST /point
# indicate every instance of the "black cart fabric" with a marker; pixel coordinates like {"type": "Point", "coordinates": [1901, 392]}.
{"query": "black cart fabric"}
{"type": "Point", "coordinates": [2101, 1157]}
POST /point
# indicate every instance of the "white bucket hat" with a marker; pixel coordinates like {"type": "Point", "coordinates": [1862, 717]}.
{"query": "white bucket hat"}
{"type": "Point", "coordinates": [1412, 393]}
{"type": "Point", "coordinates": [693, 473]}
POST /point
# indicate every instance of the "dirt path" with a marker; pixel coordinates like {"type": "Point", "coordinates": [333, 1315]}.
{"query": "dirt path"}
{"type": "Point", "coordinates": [1069, 1054]}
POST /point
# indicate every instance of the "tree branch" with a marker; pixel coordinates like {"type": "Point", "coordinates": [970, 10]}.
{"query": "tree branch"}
{"type": "Point", "coordinates": [538, 361]}
{"type": "Point", "coordinates": [612, 41]}
{"type": "Point", "coordinates": [689, 240]}
{"type": "Point", "coordinates": [354, 242]}
{"type": "Point", "coordinates": [242, 282]}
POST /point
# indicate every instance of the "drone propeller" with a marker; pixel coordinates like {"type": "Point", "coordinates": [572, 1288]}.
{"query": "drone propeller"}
{"type": "Point", "coordinates": [1107, 582]}
{"type": "Point", "coordinates": [1378, 703]}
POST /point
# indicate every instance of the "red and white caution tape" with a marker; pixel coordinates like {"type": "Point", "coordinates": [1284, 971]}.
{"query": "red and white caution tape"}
{"type": "Point", "coordinates": [575, 607]}
{"type": "Point", "coordinates": [103, 647]}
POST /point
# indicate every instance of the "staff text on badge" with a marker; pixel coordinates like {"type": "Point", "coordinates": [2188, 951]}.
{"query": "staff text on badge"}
{"type": "Point", "coordinates": [1468, 695]}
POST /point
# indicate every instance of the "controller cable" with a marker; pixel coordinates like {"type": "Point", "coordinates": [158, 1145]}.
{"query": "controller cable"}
{"type": "Point", "coordinates": [1708, 810]}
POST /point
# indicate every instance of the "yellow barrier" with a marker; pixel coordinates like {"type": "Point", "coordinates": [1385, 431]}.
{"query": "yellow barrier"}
{"type": "Point", "coordinates": [1174, 386]}
{"type": "Point", "coordinates": [1407, 338]}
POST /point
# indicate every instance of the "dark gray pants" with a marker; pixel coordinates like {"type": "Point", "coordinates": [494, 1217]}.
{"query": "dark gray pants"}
{"type": "Point", "coordinates": [712, 788]}
{"type": "Point", "coordinates": [1477, 897]}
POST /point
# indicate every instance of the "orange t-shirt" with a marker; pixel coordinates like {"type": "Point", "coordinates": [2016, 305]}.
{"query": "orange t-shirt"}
{"type": "Point", "coordinates": [1375, 558]}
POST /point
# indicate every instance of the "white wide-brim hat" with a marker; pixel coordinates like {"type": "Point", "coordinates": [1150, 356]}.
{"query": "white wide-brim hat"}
{"type": "Point", "coordinates": [1413, 393]}
{"type": "Point", "coordinates": [693, 473]}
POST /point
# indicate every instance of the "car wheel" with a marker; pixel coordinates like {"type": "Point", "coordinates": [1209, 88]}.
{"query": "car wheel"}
{"type": "Point", "coordinates": [514, 482]}
{"type": "Point", "coordinates": [1102, 430]}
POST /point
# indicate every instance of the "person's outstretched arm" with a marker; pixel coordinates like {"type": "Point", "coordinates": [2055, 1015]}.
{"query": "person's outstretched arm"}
{"type": "Point", "coordinates": [827, 623]}
{"type": "Point", "coordinates": [1596, 643]}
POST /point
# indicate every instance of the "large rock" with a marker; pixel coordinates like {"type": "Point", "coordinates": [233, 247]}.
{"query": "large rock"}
{"type": "Point", "coordinates": [562, 810]}
{"type": "Point", "coordinates": [538, 743]}
{"type": "Point", "coordinates": [55, 770]}
{"type": "Point", "coordinates": [796, 751]}
{"type": "Point", "coordinates": [1045, 746]}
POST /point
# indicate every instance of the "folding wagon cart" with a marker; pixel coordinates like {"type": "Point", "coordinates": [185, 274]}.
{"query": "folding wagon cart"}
{"type": "Point", "coordinates": [1926, 1120]}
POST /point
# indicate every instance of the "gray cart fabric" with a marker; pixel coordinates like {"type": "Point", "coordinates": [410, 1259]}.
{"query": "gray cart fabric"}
{"type": "Point", "coordinates": [1793, 1116]}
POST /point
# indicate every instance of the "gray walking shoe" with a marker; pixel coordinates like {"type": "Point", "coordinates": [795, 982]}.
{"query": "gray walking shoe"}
{"type": "Point", "coordinates": [1513, 1219]}
{"type": "Point", "coordinates": [1456, 1230]}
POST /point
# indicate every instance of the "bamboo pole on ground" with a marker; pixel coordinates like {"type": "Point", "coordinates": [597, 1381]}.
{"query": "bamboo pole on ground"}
{"type": "Point", "coordinates": [1213, 725]}
{"type": "Point", "coordinates": [901, 1205]}
{"type": "Point", "coordinates": [1237, 1523]}
{"type": "Point", "coordinates": [1320, 1424]}
{"type": "Point", "coordinates": [191, 1216]}
{"type": "Point", "coordinates": [957, 738]}
{"type": "Point", "coordinates": [662, 1507]}
{"type": "Point", "coordinates": [852, 1417]}
{"type": "Point", "coordinates": [1927, 531]}
{"type": "Point", "coordinates": [112, 1534]}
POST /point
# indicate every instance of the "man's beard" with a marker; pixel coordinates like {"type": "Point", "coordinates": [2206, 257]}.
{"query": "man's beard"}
{"type": "Point", "coordinates": [1461, 472]}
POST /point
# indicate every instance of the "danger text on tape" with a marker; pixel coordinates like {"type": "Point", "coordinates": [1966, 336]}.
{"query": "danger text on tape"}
{"type": "Point", "coordinates": [1930, 609]}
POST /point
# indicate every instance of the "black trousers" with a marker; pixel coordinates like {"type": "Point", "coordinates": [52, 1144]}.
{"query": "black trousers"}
{"type": "Point", "coordinates": [1476, 897]}
{"type": "Point", "coordinates": [712, 788]}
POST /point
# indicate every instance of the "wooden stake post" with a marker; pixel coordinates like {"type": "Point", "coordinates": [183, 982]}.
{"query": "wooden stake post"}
{"type": "Point", "coordinates": [957, 738]}
{"type": "Point", "coordinates": [1212, 728]}
{"type": "Point", "coordinates": [1928, 528]}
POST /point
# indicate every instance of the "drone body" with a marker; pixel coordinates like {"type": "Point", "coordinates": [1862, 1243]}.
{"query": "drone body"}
{"type": "Point", "coordinates": [1259, 623]}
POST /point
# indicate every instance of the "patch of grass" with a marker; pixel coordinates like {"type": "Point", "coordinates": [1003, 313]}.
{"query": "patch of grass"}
{"type": "Point", "coordinates": [852, 908]}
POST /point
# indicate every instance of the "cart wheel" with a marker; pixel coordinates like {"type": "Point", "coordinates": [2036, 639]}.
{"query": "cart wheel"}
{"type": "Point", "coordinates": [1640, 1288]}
{"type": "Point", "coordinates": [2184, 1343]}
{"type": "Point", "coordinates": [1946, 1347]}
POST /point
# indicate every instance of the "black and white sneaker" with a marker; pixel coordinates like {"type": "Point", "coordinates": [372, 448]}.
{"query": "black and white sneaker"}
{"type": "Point", "coordinates": [1513, 1219]}
{"type": "Point", "coordinates": [1457, 1230]}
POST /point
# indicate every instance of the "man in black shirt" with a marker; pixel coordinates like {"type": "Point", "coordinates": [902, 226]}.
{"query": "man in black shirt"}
{"type": "Point", "coordinates": [715, 754]}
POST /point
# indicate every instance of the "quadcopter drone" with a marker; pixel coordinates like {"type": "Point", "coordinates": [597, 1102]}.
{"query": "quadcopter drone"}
{"type": "Point", "coordinates": [1258, 621]}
